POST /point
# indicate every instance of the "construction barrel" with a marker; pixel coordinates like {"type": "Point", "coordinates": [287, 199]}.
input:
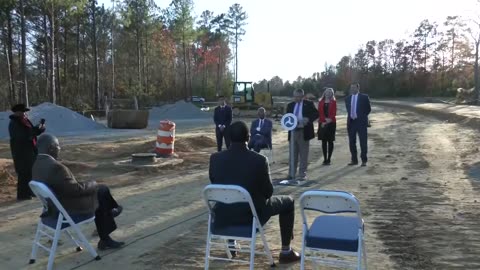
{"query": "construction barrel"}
{"type": "Point", "coordinates": [165, 139]}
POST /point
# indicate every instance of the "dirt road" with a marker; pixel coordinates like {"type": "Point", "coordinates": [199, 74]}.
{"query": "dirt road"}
{"type": "Point", "coordinates": [419, 195]}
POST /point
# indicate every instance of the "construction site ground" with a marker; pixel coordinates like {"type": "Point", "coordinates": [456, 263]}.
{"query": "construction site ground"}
{"type": "Point", "coordinates": [419, 196]}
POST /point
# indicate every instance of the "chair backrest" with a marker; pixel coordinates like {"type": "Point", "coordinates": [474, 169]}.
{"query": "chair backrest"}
{"type": "Point", "coordinates": [330, 202]}
{"type": "Point", "coordinates": [44, 193]}
{"type": "Point", "coordinates": [227, 194]}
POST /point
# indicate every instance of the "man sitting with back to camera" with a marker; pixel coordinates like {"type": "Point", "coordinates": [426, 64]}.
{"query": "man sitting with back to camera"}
{"type": "Point", "coordinates": [81, 200]}
{"type": "Point", "coordinates": [260, 132]}
{"type": "Point", "coordinates": [242, 167]}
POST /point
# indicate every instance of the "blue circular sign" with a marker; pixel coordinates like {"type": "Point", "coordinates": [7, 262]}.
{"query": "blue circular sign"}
{"type": "Point", "coordinates": [289, 121]}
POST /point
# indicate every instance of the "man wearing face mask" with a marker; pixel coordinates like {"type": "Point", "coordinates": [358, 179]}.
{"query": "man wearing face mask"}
{"type": "Point", "coordinates": [23, 145]}
{"type": "Point", "coordinates": [306, 114]}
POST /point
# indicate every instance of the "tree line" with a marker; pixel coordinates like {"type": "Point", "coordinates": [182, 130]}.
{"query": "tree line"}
{"type": "Point", "coordinates": [75, 52]}
{"type": "Point", "coordinates": [434, 61]}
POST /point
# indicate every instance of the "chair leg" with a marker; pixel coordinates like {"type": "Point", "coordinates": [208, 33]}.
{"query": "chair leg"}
{"type": "Point", "coordinates": [77, 245]}
{"type": "Point", "coordinates": [360, 252]}
{"type": "Point", "coordinates": [33, 256]}
{"type": "Point", "coordinates": [252, 251]}
{"type": "Point", "coordinates": [267, 249]}
{"type": "Point", "coordinates": [85, 242]}
{"type": "Point", "coordinates": [227, 249]}
{"type": "Point", "coordinates": [53, 248]}
{"type": "Point", "coordinates": [302, 262]}
{"type": "Point", "coordinates": [207, 251]}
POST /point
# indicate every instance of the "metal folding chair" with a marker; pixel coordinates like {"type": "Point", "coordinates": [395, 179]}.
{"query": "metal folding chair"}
{"type": "Point", "coordinates": [338, 231]}
{"type": "Point", "coordinates": [229, 194]}
{"type": "Point", "coordinates": [63, 223]}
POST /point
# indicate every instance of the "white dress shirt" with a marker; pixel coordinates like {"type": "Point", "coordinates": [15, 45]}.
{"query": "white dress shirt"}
{"type": "Point", "coordinates": [354, 107]}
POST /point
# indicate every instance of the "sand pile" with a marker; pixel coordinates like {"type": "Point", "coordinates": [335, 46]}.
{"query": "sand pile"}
{"type": "Point", "coordinates": [191, 144]}
{"type": "Point", "coordinates": [59, 120]}
{"type": "Point", "coordinates": [7, 173]}
{"type": "Point", "coordinates": [178, 111]}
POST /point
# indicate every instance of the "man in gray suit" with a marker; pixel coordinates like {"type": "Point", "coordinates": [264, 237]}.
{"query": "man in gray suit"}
{"type": "Point", "coordinates": [81, 200]}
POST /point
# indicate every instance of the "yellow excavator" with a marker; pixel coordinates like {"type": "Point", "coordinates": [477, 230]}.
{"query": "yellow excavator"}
{"type": "Point", "coordinates": [246, 98]}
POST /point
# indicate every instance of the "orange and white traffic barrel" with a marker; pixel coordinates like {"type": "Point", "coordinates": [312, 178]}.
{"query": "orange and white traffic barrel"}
{"type": "Point", "coordinates": [165, 139]}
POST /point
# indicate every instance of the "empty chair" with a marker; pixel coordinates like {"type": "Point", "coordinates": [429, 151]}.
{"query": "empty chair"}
{"type": "Point", "coordinates": [52, 228]}
{"type": "Point", "coordinates": [230, 194]}
{"type": "Point", "coordinates": [338, 230]}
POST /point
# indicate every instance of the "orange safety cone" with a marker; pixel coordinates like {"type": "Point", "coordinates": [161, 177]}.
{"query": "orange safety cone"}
{"type": "Point", "coordinates": [165, 139]}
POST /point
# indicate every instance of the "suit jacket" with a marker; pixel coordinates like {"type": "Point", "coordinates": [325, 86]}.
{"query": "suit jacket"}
{"type": "Point", "coordinates": [309, 111]}
{"type": "Point", "coordinates": [222, 116]}
{"type": "Point", "coordinates": [76, 197]}
{"type": "Point", "coordinates": [332, 111]}
{"type": "Point", "coordinates": [265, 130]}
{"type": "Point", "coordinates": [245, 168]}
{"type": "Point", "coordinates": [363, 109]}
{"type": "Point", "coordinates": [23, 142]}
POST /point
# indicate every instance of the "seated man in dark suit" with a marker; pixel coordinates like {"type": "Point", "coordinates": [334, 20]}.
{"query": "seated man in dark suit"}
{"type": "Point", "coordinates": [80, 199]}
{"type": "Point", "coordinates": [239, 166]}
{"type": "Point", "coordinates": [260, 132]}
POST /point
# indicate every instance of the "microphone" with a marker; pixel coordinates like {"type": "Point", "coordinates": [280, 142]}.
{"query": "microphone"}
{"type": "Point", "coordinates": [42, 121]}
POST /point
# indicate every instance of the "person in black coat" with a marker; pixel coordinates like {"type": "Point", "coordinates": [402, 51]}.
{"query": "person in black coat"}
{"type": "Point", "coordinates": [306, 114]}
{"type": "Point", "coordinates": [248, 169]}
{"type": "Point", "coordinates": [23, 145]}
{"type": "Point", "coordinates": [358, 108]}
{"type": "Point", "coordinates": [222, 118]}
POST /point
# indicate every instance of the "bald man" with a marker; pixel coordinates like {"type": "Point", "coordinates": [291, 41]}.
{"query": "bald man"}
{"type": "Point", "coordinates": [260, 132]}
{"type": "Point", "coordinates": [80, 199]}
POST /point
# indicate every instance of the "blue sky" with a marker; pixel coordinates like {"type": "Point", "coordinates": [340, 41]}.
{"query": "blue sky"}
{"type": "Point", "coordinates": [292, 38]}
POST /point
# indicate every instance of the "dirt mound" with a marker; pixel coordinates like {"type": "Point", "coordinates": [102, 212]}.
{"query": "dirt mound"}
{"type": "Point", "coordinates": [196, 143]}
{"type": "Point", "coordinates": [59, 120]}
{"type": "Point", "coordinates": [178, 111]}
{"type": "Point", "coordinates": [7, 173]}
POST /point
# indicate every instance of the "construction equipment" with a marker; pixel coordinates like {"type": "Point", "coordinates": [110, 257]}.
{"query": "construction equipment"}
{"type": "Point", "coordinates": [120, 115]}
{"type": "Point", "coordinates": [246, 98]}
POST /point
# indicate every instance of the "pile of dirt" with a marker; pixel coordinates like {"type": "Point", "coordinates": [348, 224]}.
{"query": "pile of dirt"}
{"type": "Point", "coordinates": [178, 111]}
{"type": "Point", "coordinates": [59, 120]}
{"type": "Point", "coordinates": [7, 174]}
{"type": "Point", "coordinates": [191, 144]}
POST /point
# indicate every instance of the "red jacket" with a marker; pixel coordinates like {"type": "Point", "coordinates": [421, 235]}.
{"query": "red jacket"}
{"type": "Point", "coordinates": [332, 111]}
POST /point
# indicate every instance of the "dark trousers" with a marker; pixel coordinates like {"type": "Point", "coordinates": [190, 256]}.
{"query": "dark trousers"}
{"type": "Point", "coordinates": [104, 219]}
{"type": "Point", "coordinates": [327, 148]}
{"type": "Point", "coordinates": [284, 207]}
{"type": "Point", "coordinates": [257, 143]}
{"type": "Point", "coordinates": [23, 168]}
{"type": "Point", "coordinates": [355, 127]}
{"type": "Point", "coordinates": [222, 135]}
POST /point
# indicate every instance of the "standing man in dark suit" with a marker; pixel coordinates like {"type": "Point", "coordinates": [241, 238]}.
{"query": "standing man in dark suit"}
{"type": "Point", "coordinates": [358, 108]}
{"type": "Point", "coordinates": [307, 114]}
{"type": "Point", "coordinates": [250, 170]}
{"type": "Point", "coordinates": [222, 118]}
{"type": "Point", "coordinates": [23, 146]}
{"type": "Point", "coordinates": [260, 132]}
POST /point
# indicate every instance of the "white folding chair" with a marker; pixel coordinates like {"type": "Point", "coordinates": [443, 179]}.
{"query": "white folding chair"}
{"type": "Point", "coordinates": [338, 231]}
{"type": "Point", "coordinates": [63, 223]}
{"type": "Point", "coordinates": [229, 194]}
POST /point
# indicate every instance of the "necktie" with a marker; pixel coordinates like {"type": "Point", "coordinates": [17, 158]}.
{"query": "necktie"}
{"type": "Point", "coordinates": [261, 123]}
{"type": "Point", "coordinates": [297, 109]}
{"type": "Point", "coordinates": [354, 107]}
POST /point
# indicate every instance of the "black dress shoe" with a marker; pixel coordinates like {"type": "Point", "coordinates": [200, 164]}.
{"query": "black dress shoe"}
{"type": "Point", "coordinates": [364, 164]}
{"type": "Point", "coordinates": [326, 163]}
{"type": "Point", "coordinates": [117, 211]}
{"type": "Point", "coordinates": [109, 244]}
{"type": "Point", "coordinates": [24, 198]}
{"type": "Point", "coordinates": [353, 163]}
{"type": "Point", "coordinates": [290, 257]}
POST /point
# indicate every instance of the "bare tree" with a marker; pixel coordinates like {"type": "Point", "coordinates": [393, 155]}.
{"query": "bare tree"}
{"type": "Point", "coordinates": [24, 93]}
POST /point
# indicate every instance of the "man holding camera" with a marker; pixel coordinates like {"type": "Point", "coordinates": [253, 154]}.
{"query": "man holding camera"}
{"type": "Point", "coordinates": [306, 114]}
{"type": "Point", "coordinates": [23, 145]}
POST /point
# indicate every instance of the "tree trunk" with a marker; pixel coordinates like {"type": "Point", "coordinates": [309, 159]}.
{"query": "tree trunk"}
{"type": "Point", "coordinates": [10, 63]}
{"type": "Point", "coordinates": [184, 67]}
{"type": "Point", "coordinates": [236, 55]}
{"type": "Point", "coordinates": [53, 94]}
{"type": "Point", "coordinates": [65, 63]}
{"type": "Point", "coordinates": [77, 73]}
{"type": "Point", "coordinates": [96, 87]}
{"type": "Point", "coordinates": [24, 55]}
{"type": "Point", "coordinates": [477, 79]}
{"type": "Point", "coordinates": [113, 51]}
{"type": "Point", "coordinates": [145, 57]}
{"type": "Point", "coordinates": [47, 59]}
{"type": "Point", "coordinates": [58, 86]}
{"type": "Point", "coordinates": [139, 61]}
